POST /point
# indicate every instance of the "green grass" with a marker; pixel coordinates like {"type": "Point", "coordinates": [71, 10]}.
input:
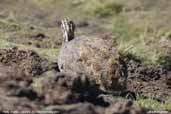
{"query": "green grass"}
{"type": "Point", "coordinates": [37, 84]}
{"type": "Point", "coordinates": [148, 47]}
{"type": "Point", "coordinates": [8, 26]}
{"type": "Point", "coordinates": [124, 29]}
{"type": "Point", "coordinates": [105, 9]}
{"type": "Point", "coordinates": [154, 105]}
{"type": "Point", "coordinates": [140, 40]}
{"type": "Point", "coordinates": [37, 81]}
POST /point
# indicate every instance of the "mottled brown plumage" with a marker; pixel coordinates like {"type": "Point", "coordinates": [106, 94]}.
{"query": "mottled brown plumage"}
{"type": "Point", "coordinates": [96, 57]}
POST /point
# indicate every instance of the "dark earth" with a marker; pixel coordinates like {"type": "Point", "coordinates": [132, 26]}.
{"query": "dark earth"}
{"type": "Point", "coordinates": [74, 94]}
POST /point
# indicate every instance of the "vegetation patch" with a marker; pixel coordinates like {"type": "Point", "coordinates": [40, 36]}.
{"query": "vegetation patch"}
{"type": "Point", "coordinates": [8, 26]}
{"type": "Point", "coordinates": [154, 105]}
{"type": "Point", "coordinates": [102, 8]}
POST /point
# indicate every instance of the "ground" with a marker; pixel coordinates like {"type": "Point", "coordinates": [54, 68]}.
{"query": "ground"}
{"type": "Point", "coordinates": [30, 39]}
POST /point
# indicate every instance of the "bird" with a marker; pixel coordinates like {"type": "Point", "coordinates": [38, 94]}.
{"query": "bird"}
{"type": "Point", "coordinates": [97, 57]}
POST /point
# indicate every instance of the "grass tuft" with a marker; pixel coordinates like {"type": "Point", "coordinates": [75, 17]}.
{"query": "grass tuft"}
{"type": "Point", "coordinates": [154, 105]}
{"type": "Point", "coordinates": [103, 8]}
{"type": "Point", "coordinates": [8, 26]}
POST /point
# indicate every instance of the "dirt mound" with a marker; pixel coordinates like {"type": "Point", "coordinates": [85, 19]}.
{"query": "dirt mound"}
{"type": "Point", "coordinates": [28, 62]}
{"type": "Point", "coordinates": [16, 91]}
{"type": "Point", "coordinates": [16, 104]}
{"type": "Point", "coordinates": [60, 92]}
{"type": "Point", "coordinates": [124, 107]}
{"type": "Point", "coordinates": [144, 79]}
{"type": "Point", "coordinates": [66, 88]}
{"type": "Point", "coordinates": [118, 107]}
{"type": "Point", "coordinates": [12, 103]}
{"type": "Point", "coordinates": [15, 83]}
{"type": "Point", "coordinates": [168, 80]}
{"type": "Point", "coordinates": [80, 108]}
{"type": "Point", "coordinates": [17, 69]}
